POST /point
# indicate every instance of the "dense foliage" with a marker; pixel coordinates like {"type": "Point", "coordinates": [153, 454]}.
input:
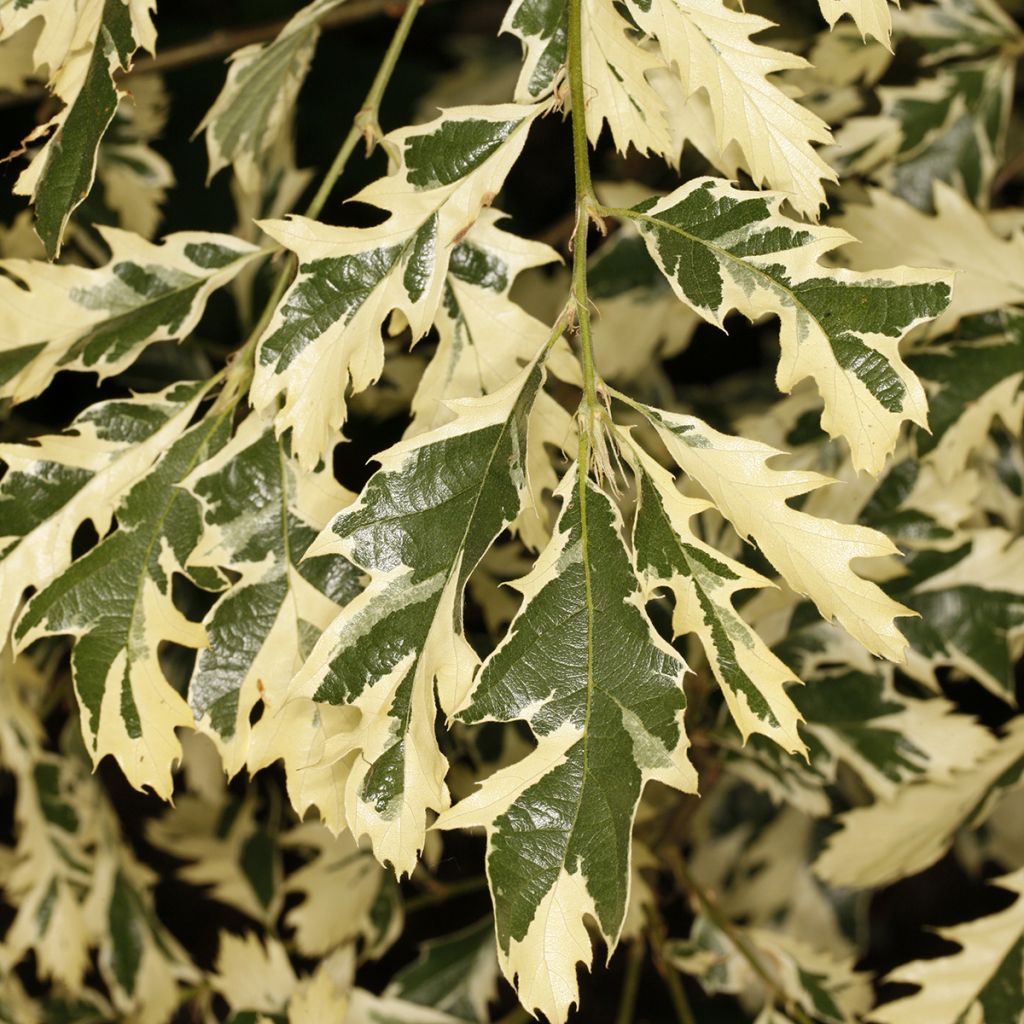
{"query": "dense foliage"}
{"type": "Point", "coordinates": [699, 474]}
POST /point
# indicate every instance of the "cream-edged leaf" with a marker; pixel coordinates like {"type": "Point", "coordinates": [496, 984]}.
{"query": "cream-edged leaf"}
{"type": "Point", "coordinates": [970, 602]}
{"type": "Point", "coordinates": [872, 17]}
{"type": "Point", "coordinates": [117, 602]}
{"type": "Point", "coordinates": [813, 555]}
{"type": "Point", "coordinates": [708, 46]}
{"type": "Point", "coordinates": [345, 894]}
{"type": "Point", "coordinates": [261, 511]}
{"type": "Point", "coordinates": [982, 982]}
{"type": "Point", "coordinates": [254, 106]}
{"type": "Point", "coordinates": [356, 726]}
{"type": "Point", "coordinates": [956, 28]}
{"type": "Point", "coordinates": [703, 582]}
{"type": "Point", "coordinates": [892, 839]}
{"type": "Point", "coordinates": [457, 973]}
{"type": "Point", "coordinates": [975, 381]}
{"type": "Point", "coordinates": [227, 850]}
{"type": "Point", "coordinates": [475, 310]}
{"type": "Point", "coordinates": [822, 986]}
{"type": "Point", "coordinates": [603, 695]}
{"type": "Point", "coordinates": [956, 237]}
{"type": "Point", "coordinates": [722, 249]}
{"type": "Point", "coordinates": [74, 318]}
{"type": "Point", "coordinates": [55, 483]}
{"type": "Point", "coordinates": [325, 336]}
{"type": "Point", "coordinates": [134, 177]}
{"type": "Point", "coordinates": [948, 127]}
{"type": "Point", "coordinates": [83, 44]}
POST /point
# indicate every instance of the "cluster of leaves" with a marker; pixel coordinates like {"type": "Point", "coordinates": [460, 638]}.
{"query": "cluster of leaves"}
{"type": "Point", "coordinates": [562, 583]}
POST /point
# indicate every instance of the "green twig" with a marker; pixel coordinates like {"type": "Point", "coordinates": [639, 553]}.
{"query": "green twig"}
{"type": "Point", "coordinates": [364, 125]}
{"type": "Point", "coordinates": [673, 983]}
{"type": "Point", "coordinates": [586, 203]}
{"type": "Point", "coordinates": [631, 982]}
{"type": "Point", "coordinates": [444, 891]}
{"type": "Point", "coordinates": [721, 920]}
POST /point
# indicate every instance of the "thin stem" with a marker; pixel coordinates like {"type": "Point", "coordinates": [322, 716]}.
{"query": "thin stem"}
{"type": "Point", "coordinates": [631, 983]}
{"type": "Point", "coordinates": [224, 41]}
{"type": "Point", "coordinates": [577, 95]}
{"type": "Point", "coordinates": [669, 975]}
{"type": "Point", "coordinates": [586, 201]}
{"type": "Point", "coordinates": [721, 921]}
{"type": "Point", "coordinates": [444, 892]}
{"type": "Point", "coordinates": [364, 124]}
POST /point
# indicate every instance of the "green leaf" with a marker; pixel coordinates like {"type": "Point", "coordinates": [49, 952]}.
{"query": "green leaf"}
{"type": "Point", "coordinates": [356, 728]}
{"type": "Point", "coordinates": [975, 381]}
{"type": "Point", "coordinates": [261, 512]}
{"type": "Point", "coordinates": [971, 605]}
{"type": "Point", "coordinates": [325, 336]}
{"type": "Point", "coordinates": [72, 318]}
{"type": "Point", "coordinates": [982, 982]}
{"type": "Point", "coordinates": [722, 248]}
{"type": "Point", "coordinates": [254, 107]}
{"type": "Point", "coordinates": [457, 974]}
{"type": "Point", "coordinates": [950, 126]}
{"type": "Point", "coordinates": [58, 482]}
{"type": "Point", "coordinates": [603, 695]}
{"type": "Point", "coordinates": [860, 720]}
{"type": "Point", "coordinates": [104, 40]}
{"type": "Point", "coordinates": [117, 602]}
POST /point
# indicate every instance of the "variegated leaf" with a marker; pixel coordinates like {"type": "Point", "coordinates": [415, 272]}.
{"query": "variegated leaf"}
{"type": "Point", "coordinates": [827, 989]}
{"type": "Point", "coordinates": [227, 849]}
{"type": "Point", "coordinates": [356, 727]}
{"type": "Point", "coordinates": [708, 45]}
{"type": "Point", "coordinates": [254, 106]}
{"type": "Point", "coordinates": [58, 482]}
{"type": "Point", "coordinates": [603, 695]}
{"type": "Point", "coordinates": [134, 177]}
{"type": "Point", "coordinates": [813, 555]}
{"type": "Point", "coordinates": [723, 249]}
{"type": "Point", "coordinates": [872, 17]}
{"type": "Point", "coordinates": [975, 380]}
{"type": "Point", "coordinates": [457, 974]}
{"type": "Point", "coordinates": [892, 839]}
{"type": "Point", "coordinates": [345, 894]}
{"type": "Point", "coordinates": [703, 582]}
{"type": "Point", "coordinates": [73, 318]}
{"type": "Point", "coordinates": [982, 982]}
{"type": "Point", "coordinates": [325, 336]}
{"type": "Point", "coordinates": [117, 602]}
{"type": "Point", "coordinates": [956, 28]}
{"type": "Point", "coordinates": [261, 512]}
{"type": "Point", "coordinates": [970, 600]}
{"type": "Point", "coordinates": [956, 237]}
{"type": "Point", "coordinates": [82, 50]}
{"type": "Point", "coordinates": [476, 309]}
{"type": "Point", "coordinates": [947, 127]}
{"type": "Point", "coordinates": [142, 964]}
{"type": "Point", "coordinates": [51, 866]}
{"type": "Point", "coordinates": [858, 719]}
